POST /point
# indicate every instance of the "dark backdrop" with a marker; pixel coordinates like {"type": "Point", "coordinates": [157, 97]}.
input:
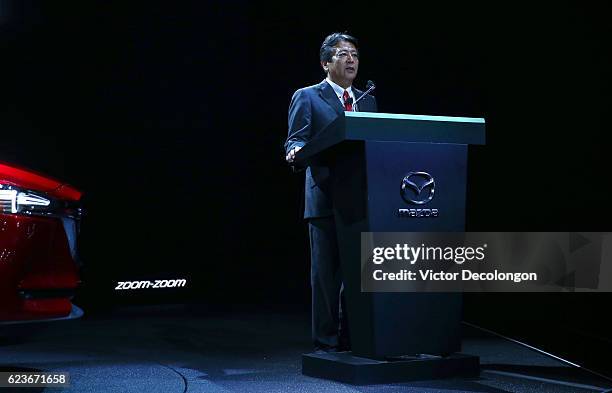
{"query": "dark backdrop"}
{"type": "Point", "coordinates": [171, 117]}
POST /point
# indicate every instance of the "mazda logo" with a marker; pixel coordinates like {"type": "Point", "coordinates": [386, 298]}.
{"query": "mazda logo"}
{"type": "Point", "coordinates": [418, 188]}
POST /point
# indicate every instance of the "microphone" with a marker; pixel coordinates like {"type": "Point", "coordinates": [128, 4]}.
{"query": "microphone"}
{"type": "Point", "coordinates": [369, 87]}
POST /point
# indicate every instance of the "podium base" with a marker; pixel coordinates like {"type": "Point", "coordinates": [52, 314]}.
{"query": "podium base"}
{"type": "Point", "coordinates": [354, 370]}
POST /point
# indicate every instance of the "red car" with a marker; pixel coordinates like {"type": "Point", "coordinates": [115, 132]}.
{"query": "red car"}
{"type": "Point", "coordinates": [39, 265]}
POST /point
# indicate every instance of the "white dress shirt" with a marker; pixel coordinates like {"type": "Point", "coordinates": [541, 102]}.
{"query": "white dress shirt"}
{"type": "Point", "coordinates": [339, 90]}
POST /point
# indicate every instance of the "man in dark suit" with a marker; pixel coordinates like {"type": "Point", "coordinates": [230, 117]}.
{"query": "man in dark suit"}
{"type": "Point", "coordinates": [311, 110]}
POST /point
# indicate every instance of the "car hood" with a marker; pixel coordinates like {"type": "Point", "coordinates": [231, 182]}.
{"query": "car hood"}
{"type": "Point", "coordinates": [31, 180]}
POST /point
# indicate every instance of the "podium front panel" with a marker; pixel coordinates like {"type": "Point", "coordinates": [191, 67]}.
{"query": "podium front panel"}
{"type": "Point", "coordinates": [403, 187]}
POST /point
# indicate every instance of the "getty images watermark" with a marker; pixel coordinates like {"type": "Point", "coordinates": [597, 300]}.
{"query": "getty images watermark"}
{"type": "Point", "coordinates": [486, 261]}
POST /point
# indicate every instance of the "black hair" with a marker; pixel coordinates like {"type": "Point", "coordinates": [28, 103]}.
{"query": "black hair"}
{"type": "Point", "coordinates": [327, 47]}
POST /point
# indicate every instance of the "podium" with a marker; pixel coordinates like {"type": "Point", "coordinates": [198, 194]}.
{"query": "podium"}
{"type": "Point", "coordinates": [395, 173]}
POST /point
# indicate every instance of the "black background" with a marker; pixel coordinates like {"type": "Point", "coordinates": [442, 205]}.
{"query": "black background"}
{"type": "Point", "coordinates": [171, 117]}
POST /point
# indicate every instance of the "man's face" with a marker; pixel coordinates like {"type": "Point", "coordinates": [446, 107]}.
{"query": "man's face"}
{"type": "Point", "coordinates": [342, 69]}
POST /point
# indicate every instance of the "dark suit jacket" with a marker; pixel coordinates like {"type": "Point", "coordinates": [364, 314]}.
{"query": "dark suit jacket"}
{"type": "Point", "coordinates": [311, 110]}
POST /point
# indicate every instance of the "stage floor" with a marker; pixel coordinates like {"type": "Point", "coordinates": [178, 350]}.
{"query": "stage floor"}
{"type": "Point", "coordinates": [183, 349]}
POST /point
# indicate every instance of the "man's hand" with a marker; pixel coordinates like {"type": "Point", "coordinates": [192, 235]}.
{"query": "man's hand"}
{"type": "Point", "coordinates": [291, 156]}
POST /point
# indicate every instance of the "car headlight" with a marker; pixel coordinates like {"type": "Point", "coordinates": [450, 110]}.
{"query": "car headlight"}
{"type": "Point", "coordinates": [14, 200]}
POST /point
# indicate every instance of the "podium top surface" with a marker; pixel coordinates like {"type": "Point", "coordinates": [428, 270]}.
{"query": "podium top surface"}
{"type": "Point", "coordinates": [391, 127]}
{"type": "Point", "coordinates": [397, 116]}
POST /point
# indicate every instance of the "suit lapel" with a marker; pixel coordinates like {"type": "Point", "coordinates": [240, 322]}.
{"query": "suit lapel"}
{"type": "Point", "coordinates": [329, 95]}
{"type": "Point", "coordinates": [357, 94]}
{"type": "Point", "coordinates": [363, 105]}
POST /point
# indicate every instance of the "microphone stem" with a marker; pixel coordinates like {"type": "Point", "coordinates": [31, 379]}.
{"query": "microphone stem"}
{"type": "Point", "coordinates": [364, 94]}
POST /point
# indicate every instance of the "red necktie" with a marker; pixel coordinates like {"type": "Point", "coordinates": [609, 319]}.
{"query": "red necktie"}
{"type": "Point", "coordinates": [348, 105]}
